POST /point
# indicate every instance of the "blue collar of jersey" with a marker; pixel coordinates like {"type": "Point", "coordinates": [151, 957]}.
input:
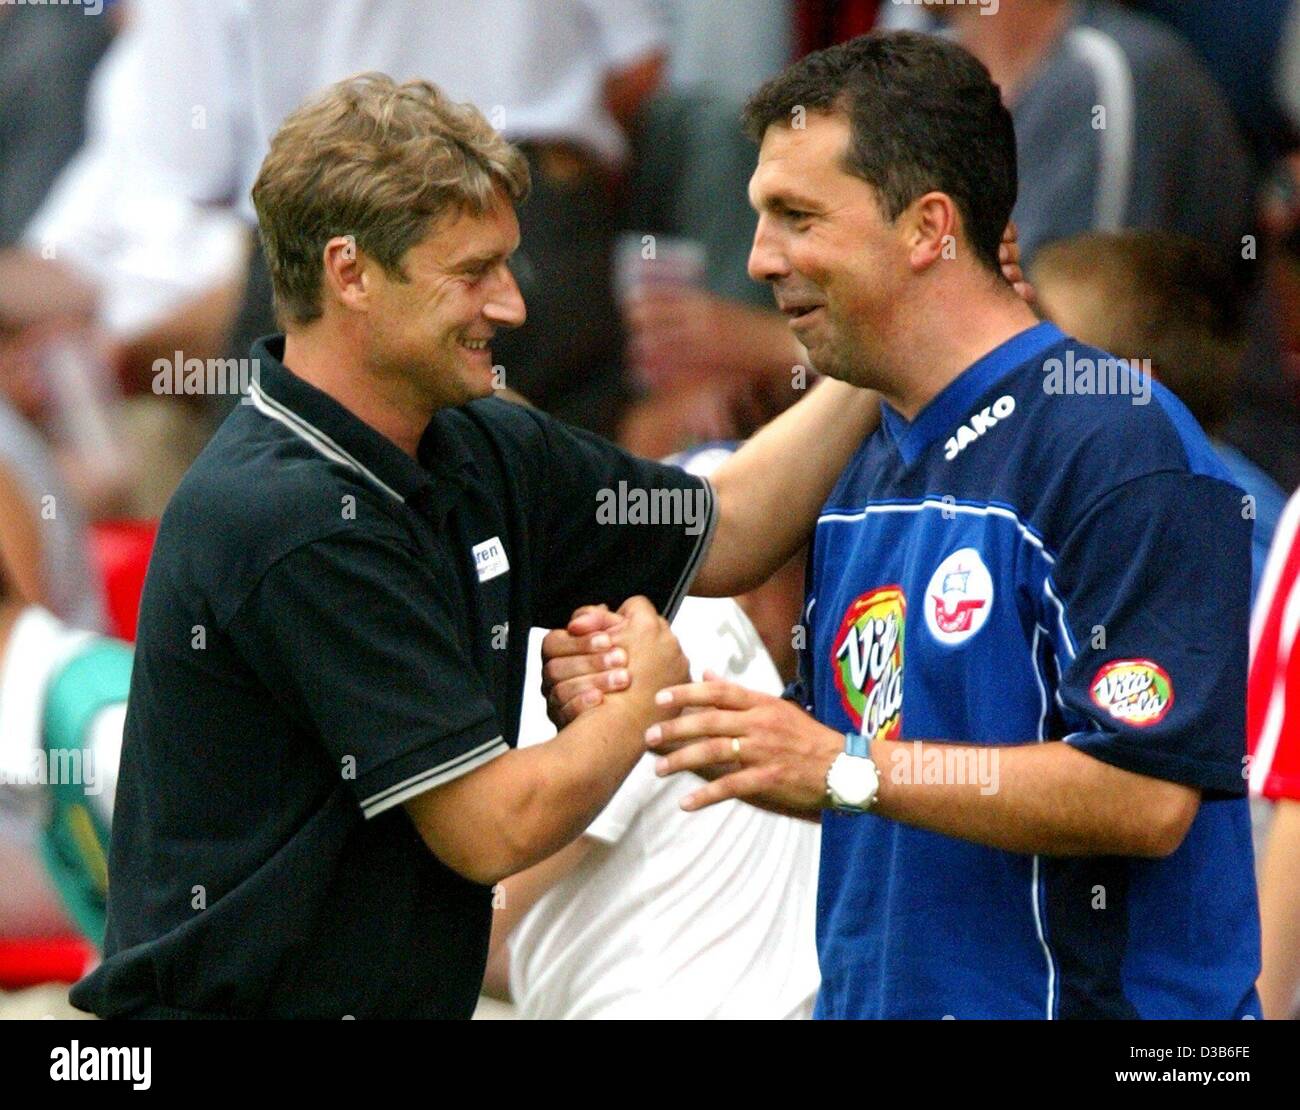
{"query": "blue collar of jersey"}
{"type": "Point", "coordinates": [952, 405]}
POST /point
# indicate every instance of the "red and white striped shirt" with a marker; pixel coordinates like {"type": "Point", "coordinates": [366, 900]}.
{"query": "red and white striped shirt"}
{"type": "Point", "coordinates": [1273, 693]}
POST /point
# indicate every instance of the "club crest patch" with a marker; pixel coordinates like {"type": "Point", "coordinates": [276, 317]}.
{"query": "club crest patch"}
{"type": "Point", "coordinates": [958, 598]}
{"type": "Point", "coordinates": [867, 662]}
{"type": "Point", "coordinates": [1135, 691]}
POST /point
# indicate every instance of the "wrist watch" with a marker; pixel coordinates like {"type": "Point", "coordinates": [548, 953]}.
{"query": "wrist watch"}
{"type": "Point", "coordinates": [853, 780]}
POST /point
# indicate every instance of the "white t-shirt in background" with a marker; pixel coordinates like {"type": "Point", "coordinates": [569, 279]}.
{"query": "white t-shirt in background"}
{"type": "Point", "coordinates": [673, 914]}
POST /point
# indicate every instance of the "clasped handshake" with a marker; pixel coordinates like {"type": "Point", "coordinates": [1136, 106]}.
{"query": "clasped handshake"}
{"type": "Point", "coordinates": [745, 744]}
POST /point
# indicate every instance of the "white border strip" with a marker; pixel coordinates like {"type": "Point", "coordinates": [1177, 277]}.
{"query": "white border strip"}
{"type": "Point", "coordinates": [1035, 894]}
{"type": "Point", "coordinates": [1114, 76]}
{"type": "Point", "coordinates": [698, 556]}
{"type": "Point", "coordinates": [1284, 537]}
{"type": "Point", "coordinates": [434, 776]}
{"type": "Point", "coordinates": [950, 506]}
{"type": "Point", "coordinates": [1270, 733]}
{"type": "Point", "coordinates": [272, 408]}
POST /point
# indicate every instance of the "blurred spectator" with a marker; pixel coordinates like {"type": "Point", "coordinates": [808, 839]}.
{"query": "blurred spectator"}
{"type": "Point", "coordinates": [50, 565]}
{"type": "Point", "coordinates": [1241, 43]}
{"type": "Point", "coordinates": [706, 345]}
{"type": "Point", "coordinates": [709, 45]}
{"type": "Point", "coordinates": [1119, 125]}
{"type": "Point", "coordinates": [56, 366]}
{"type": "Point", "coordinates": [204, 84]}
{"type": "Point", "coordinates": [1273, 743]}
{"type": "Point", "coordinates": [62, 705]}
{"type": "Point", "coordinates": [47, 55]}
{"type": "Point", "coordinates": [1164, 298]}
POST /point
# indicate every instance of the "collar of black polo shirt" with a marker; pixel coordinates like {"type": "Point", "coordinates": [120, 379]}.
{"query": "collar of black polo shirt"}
{"type": "Point", "coordinates": [444, 467]}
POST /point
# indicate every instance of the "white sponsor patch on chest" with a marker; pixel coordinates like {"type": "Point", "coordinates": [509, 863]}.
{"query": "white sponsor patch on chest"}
{"type": "Point", "coordinates": [490, 559]}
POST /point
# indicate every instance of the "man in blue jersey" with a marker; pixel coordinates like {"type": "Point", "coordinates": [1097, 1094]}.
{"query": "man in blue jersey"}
{"type": "Point", "coordinates": [1026, 622]}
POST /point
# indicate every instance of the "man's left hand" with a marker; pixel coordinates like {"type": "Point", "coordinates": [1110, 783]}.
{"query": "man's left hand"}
{"type": "Point", "coordinates": [752, 746]}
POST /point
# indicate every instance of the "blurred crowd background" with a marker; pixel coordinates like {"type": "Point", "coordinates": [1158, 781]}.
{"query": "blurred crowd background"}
{"type": "Point", "coordinates": [1159, 217]}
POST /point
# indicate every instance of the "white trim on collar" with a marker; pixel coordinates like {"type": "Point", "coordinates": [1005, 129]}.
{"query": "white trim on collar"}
{"type": "Point", "coordinates": [270, 407]}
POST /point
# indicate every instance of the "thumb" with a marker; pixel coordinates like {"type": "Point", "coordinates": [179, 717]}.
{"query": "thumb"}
{"type": "Point", "coordinates": [592, 618]}
{"type": "Point", "coordinates": [637, 606]}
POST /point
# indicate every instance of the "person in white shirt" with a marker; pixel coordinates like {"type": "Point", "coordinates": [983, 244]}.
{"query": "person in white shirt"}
{"type": "Point", "coordinates": [187, 99]}
{"type": "Point", "coordinates": [659, 913]}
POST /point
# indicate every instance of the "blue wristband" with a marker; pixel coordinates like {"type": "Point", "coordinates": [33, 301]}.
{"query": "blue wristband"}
{"type": "Point", "coordinates": [857, 744]}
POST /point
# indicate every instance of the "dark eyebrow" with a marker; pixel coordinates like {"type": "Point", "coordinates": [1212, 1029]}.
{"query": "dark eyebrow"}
{"type": "Point", "coordinates": [790, 202]}
{"type": "Point", "coordinates": [484, 259]}
{"type": "Point", "coordinates": [479, 261]}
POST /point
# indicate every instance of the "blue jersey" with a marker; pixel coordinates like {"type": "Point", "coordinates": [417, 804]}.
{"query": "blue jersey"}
{"type": "Point", "coordinates": [1029, 561]}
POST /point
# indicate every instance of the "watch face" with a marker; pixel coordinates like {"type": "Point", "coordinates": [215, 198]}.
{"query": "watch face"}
{"type": "Point", "coordinates": [853, 780]}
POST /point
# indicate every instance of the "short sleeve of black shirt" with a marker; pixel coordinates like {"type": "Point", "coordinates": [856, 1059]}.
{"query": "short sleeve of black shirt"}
{"type": "Point", "coordinates": [357, 634]}
{"type": "Point", "coordinates": [609, 525]}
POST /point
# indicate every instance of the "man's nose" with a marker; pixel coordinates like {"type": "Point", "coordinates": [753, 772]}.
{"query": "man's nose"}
{"type": "Point", "coordinates": [766, 261]}
{"type": "Point", "coordinates": [505, 307]}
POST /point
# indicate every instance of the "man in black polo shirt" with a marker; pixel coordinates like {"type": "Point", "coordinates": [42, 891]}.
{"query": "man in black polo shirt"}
{"type": "Point", "coordinates": [319, 784]}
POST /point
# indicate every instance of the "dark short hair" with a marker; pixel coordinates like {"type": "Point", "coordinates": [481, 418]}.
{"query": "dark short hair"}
{"type": "Point", "coordinates": [1169, 299]}
{"type": "Point", "coordinates": [924, 115]}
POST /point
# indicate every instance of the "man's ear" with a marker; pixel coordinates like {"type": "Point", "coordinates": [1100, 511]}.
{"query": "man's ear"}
{"type": "Point", "coordinates": [347, 273]}
{"type": "Point", "coordinates": [931, 228]}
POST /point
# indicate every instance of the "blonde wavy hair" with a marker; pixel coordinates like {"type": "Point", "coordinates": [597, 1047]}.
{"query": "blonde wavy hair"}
{"type": "Point", "coordinates": [381, 162]}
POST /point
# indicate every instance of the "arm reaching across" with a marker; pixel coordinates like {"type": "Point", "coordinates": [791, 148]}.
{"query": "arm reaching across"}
{"type": "Point", "coordinates": [770, 491]}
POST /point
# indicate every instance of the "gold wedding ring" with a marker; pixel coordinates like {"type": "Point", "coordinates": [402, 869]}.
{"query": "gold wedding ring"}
{"type": "Point", "coordinates": [735, 746]}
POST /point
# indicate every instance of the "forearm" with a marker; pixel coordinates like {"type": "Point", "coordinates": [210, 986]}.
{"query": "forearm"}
{"type": "Point", "coordinates": [528, 804]}
{"type": "Point", "coordinates": [1047, 799]}
{"type": "Point", "coordinates": [770, 491]}
{"type": "Point", "coordinates": [1279, 912]}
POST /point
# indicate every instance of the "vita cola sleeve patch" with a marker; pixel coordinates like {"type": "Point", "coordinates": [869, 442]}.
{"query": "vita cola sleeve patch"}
{"type": "Point", "coordinates": [1136, 692]}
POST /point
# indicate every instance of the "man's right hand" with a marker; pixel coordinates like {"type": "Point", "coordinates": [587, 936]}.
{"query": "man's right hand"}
{"type": "Point", "coordinates": [589, 657]}
{"type": "Point", "coordinates": [580, 663]}
{"type": "Point", "coordinates": [527, 804]}
{"type": "Point", "coordinates": [654, 655]}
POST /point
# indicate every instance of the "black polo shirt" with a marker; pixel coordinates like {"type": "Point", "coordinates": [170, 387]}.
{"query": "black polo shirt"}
{"type": "Point", "coordinates": [329, 628]}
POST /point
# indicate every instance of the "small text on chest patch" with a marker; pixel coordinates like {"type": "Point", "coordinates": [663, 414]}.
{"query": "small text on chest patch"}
{"type": "Point", "coordinates": [490, 559]}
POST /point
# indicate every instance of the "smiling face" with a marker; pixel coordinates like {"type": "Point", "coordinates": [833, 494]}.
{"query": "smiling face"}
{"type": "Point", "coordinates": [835, 263]}
{"type": "Point", "coordinates": [435, 329]}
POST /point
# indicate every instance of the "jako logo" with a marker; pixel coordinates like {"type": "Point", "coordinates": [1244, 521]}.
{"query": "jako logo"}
{"type": "Point", "coordinates": [980, 423]}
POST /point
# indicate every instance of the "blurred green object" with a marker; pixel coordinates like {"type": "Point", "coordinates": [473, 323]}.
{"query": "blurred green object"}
{"type": "Point", "coordinates": [74, 843]}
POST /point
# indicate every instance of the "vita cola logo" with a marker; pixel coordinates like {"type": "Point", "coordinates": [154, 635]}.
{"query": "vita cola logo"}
{"type": "Point", "coordinates": [980, 423]}
{"type": "Point", "coordinates": [867, 662]}
{"type": "Point", "coordinates": [1136, 691]}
